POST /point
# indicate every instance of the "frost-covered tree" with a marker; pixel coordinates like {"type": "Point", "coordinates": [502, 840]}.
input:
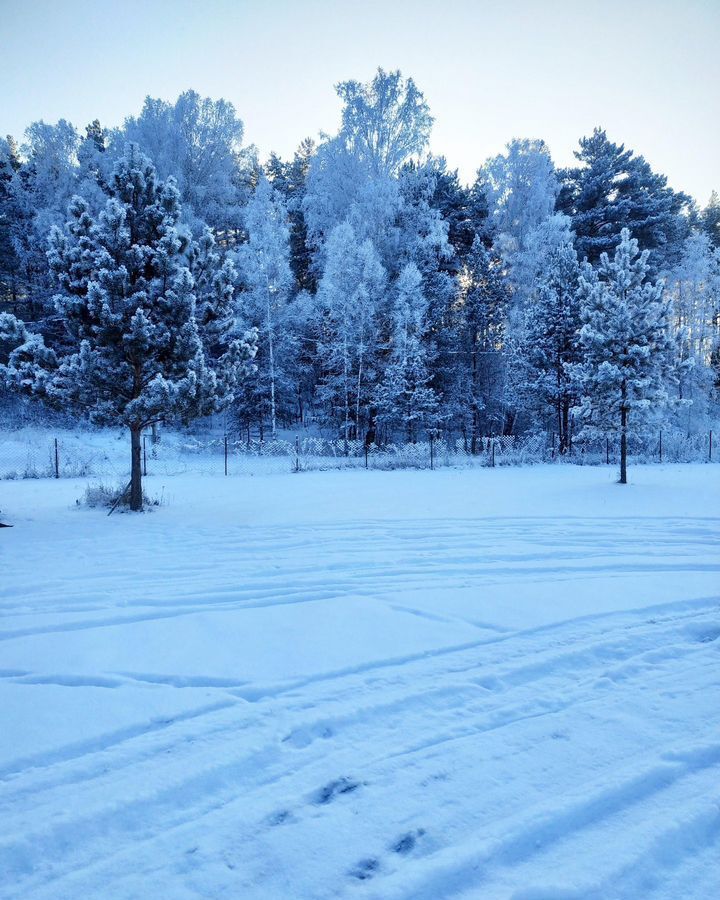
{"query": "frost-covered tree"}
{"type": "Point", "coordinates": [9, 263]}
{"type": "Point", "coordinates": [464, 209]}
{"type": "Point", "coordinates": [626, 342]}
{"type": "Point", "coordinates": [613, 189]}
{"type": "Point", "coordinates": [552, 340]}
{"type": "Point", "coordinates": [384, 122]}
{"type": "Point", "coordinates": [694, 288]}
{"type": "Point", "coordinates": [41, 188]}
{"type": "Point", "coordinates": [215, 278]}
{"type": "Point", "coordinates": [197, 141]}
{"type": "Point", "coordinates": [95, 165]}
{"type": "Point", "coordinates": [353, 176]}
{"type": "Point", "coordinates": [290, 180]}
{"type": "Point", "coordinates": [342, 187]}
{"type": "Point", "coordinates": [404, 398]}
{"type": "Point", "coordinates": [349, 299]}
{"type": "Point", "coordinates": [521, 187]}
{"type": "Point", "coordinates": [479, 324]}
{"type": "Point", "coordinates": [710, 219]}
{"type": "Point", "coordinates": [132, 353]}
{"type": "Point", "coordinates": [264, 264]}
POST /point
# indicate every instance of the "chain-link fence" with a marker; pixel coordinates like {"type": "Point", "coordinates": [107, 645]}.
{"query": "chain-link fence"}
{"type": "Point", "coordinates": [78, 454]}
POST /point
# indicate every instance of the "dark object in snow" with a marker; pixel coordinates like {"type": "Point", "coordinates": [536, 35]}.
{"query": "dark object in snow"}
{"type": "Point", "coordinates": [365, 869]}
{"type": "Point", "coordinates": [3, 525]}
{"type": "Point", "coordinates": [407, 842]}
{"type": "Point", "coordinates": [335, 788]}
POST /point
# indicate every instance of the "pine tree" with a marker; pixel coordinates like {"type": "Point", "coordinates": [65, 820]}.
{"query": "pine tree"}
{"type": "Point", "coordinates": [464, 209]}
{"type": "Point", "coordinates": [132, 353]}
{"type": "Point", "coordinates": [215, 277]}
{"type": "Point", "coordinates": [613, 189]}
{"type": "Point", "coordinates": [95, 165]}
{"type": "Point", "coordinates": [9, 264]}
{"type": "Point", "coordinates": [552, 340]}
{"type": "Point", "coordinates": [480, 327]}
{"type": "Point", "coordinates": [626, 342]}
{"type": "Point", "coordinates": [290, 181]}
{"type": "Point", "coordinates": [710, 219]}
{"type": "Point", "coordinates": [422, 240]}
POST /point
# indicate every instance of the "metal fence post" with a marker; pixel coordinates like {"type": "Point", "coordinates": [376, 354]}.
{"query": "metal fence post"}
{"type": "Point", "coordinates": [57, 460]}
{"type": "Point", "coordinates": [492, 452]}
{"type": "Point", "coordinates": [366, 455]}
{"type": "Point", "coordinates": [607, 451]}
{"type": "Point", "coordinates": [226, 452]}
{"type": "Point", "coordinates": [297, 453]}
{"type": "Point", "coordinates": [710, 449]}
{"type": "Point", "coordinates": [432, 459]}
{"type": "Point", "coordinates": [661, 445]}
{"type": "Point", "coordinates": [144, 455]}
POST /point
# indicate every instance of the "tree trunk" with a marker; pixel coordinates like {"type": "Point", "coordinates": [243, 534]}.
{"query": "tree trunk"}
{"type": "Point", "coordinates": [623, 440]}
{"type": "Point", "coordinates": [346, 392]}
{"type": "Point", "coordinates": [566, 426]}
{"type": "Point", "coordinates": [136, 498]}
{"type": "Point", "coordinates": [474, 380]}
{"type": "Point", "coordinates": [271, 351]}
{"type": "Point", "coordinates": [371, 433]}
{"type": "Point", "coordinates": [563, 425]}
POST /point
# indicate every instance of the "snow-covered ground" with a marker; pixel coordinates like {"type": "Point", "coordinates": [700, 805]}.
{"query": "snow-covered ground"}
{"type": "Point", "coordinates": [477, 684]}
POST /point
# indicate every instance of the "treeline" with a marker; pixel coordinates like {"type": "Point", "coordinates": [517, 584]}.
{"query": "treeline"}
{"type": "Point", "coordinates": [384, 297]}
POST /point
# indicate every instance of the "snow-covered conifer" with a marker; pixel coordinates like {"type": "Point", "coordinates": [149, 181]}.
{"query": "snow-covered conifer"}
{"type": "Point", "coordinates": [479, 323]}
{"type": "Point", "coordinates": [613, 189]}
{"type": "Point", "coordinates": [132, 352]}
{"type": "Point", "coordinates": [552, 341]}
{"type": "Point", "coordinates": [626, 342]}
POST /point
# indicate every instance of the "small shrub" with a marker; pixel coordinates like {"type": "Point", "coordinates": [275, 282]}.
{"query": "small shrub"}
{"type": "Point", "coordinates": [105, 496]}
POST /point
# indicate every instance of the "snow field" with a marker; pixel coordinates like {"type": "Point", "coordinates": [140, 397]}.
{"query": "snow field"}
{"type": "Point", "coordinates": [496, 684]}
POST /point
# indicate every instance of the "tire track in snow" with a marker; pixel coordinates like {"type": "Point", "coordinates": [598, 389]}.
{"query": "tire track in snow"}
{"type": "Point", "coordinates": [213, 787]}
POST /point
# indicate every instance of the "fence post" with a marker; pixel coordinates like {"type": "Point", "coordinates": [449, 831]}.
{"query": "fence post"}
{"type": "Point", "coordinates": [57, 460]}
{"type": "Point", "coordinates": [366, 455]}
{"type": "Point", "coordinates": [432, 459]}
{"type": "Point", "coordinates": [226, 451]}
{"type": "Point", "coordinates": [297, 453]}
{"type": "Point", "coordinates": [144, 455]}
{"type": "Point", "coordinates": [660, 445]}
{"type": "Point", "coordinates": [492, 452]}
{"type": "Point", "coordinates": [710, 449]}
{"type": "Point", "coordinates": [607, 451]}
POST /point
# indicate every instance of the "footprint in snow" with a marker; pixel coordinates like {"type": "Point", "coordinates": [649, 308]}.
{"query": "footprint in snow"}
{"type": "Point", "coordinates": [406, 843]}
{"type": "Point", "coordinates": [703, 632]}
{"type": "Point", "coordinates": [334, 789]}
{"type": "Point", "coordinates": [303, 737]}
{"type": "Point", "coordinates": [365, 869]}
{"type": "Point", "coordinates": [280, 817]}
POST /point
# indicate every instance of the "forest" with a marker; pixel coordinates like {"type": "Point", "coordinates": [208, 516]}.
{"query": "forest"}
{"type": "Point", "coordinates": [159, 271]}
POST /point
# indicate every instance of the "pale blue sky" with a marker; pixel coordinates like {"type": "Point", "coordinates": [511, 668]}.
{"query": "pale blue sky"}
{"type": "Point", "coordinates": [646, 70]}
